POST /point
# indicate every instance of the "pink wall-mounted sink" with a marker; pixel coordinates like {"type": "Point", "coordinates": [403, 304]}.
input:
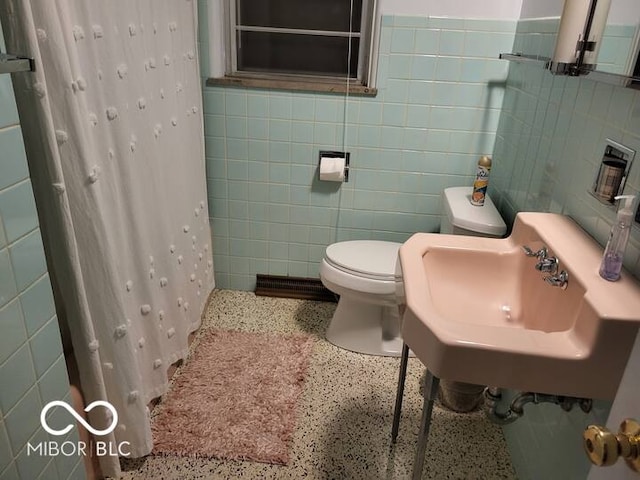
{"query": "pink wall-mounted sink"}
{"type": "Point", "coordinates": [478, 311]}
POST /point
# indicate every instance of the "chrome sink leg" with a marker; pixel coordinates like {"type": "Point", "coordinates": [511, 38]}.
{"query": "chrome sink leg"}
{"type": "Point", "coordinates": [399, 393]}
{"type": "Point", "coordinates": [431, 383]}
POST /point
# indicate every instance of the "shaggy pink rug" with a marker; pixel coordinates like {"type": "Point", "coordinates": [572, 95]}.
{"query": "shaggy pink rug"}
{"type": "Point", "coordinates": [235, 398]}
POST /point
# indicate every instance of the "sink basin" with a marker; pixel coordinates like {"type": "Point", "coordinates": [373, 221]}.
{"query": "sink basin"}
{"type": "Point", "coordinates": [478, 311]}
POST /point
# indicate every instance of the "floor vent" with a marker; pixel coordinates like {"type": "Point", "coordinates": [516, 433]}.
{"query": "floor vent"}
{"type": "Point", "coordinates": [293, 287]}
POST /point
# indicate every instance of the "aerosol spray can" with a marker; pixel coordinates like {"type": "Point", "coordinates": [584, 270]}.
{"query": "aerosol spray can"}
{"type": "Point", "coordinates": [481, 182]}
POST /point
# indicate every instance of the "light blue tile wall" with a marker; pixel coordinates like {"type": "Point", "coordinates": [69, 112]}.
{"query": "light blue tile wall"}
{"type": "Point", "coordinates": [551, 139]}
{"type": "Point", "coordinates": [32, 366]}
{"type": "Point", "coordinates": [548, 148]}
{"type": "Point", "coordinates": [440, 92]}
{"type": "Point", "coordinates": [537, 37]}
{"type": "Point", "coordinates": [617, 46]}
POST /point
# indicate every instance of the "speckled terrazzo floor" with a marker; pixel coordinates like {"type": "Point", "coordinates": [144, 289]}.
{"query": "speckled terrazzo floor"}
{"type": "Point", "coordinates": [345, 412]}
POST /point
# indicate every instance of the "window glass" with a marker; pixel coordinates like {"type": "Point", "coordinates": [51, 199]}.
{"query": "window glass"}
{"type": "Point", "coordinates": [317, 38]}
{"type": "Point", "coordinates": [297, 54]}
{"type": "Point", "coordinates": [329, 15]}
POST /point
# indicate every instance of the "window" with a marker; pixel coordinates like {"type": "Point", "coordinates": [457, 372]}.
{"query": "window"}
{"type": "Point", "coordinates": [300, 40]}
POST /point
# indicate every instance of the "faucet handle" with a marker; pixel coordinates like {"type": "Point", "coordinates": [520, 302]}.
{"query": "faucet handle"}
{"type": "Point", "coordinates": [548, 264]}
{"type": "Point", "coordinates": [561, 280]}
{"type": "Point", "coordinates": [540, 254]}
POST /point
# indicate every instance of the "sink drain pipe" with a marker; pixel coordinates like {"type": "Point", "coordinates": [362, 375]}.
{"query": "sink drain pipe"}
{"type": "Point", "coordinates": [493, 395]}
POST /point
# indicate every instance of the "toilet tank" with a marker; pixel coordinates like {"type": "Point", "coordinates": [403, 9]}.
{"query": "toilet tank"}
{"type": "Point", "coordinates": [460, 217]}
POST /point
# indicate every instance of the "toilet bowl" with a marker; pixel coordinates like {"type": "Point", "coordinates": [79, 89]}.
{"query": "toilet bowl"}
{"type": "Point", "coordinates": [366, 276]}
{"type": "Point", "coordinates": [363, 273]}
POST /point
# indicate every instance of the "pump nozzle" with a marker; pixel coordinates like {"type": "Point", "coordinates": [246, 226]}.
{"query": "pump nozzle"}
{"type": "Point", "coordinates": [611, 265]}
{"type": "Point", "coordinates": [626, 207]}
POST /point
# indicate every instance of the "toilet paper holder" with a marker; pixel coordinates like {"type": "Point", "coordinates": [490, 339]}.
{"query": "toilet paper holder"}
{"type": "Point", "coordinates": [612, 173]}
{"type": "Point", "coordinates": [332, 154]}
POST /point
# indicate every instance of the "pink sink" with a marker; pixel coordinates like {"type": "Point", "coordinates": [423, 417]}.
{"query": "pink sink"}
{"type": "Point", "coordinates": [478, 311]}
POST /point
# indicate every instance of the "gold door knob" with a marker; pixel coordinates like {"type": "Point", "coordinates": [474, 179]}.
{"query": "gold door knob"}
{"type": "Point", "coordinates": [604, 447]}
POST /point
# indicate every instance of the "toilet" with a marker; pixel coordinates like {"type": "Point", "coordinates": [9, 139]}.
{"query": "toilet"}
{"type": "Point", "coordinates": [366, 276]}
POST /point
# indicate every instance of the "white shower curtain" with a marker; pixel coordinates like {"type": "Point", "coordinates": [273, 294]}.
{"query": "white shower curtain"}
{"type": "Point", "coordinates": [112, 122]}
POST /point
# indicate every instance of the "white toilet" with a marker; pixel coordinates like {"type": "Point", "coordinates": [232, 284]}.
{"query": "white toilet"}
{"type": "Point", "coordinates": [365, 275]}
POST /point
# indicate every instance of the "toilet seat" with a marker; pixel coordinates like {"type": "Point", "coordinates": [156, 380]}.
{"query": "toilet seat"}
{"type": "Point", "coordinates": [371, 259]}
{"type": "Point", "coordinates": [364, 268]}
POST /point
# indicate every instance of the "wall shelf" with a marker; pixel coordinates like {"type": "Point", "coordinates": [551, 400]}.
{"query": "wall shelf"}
{"type": "Point", "coordinates": [522, 58]}
{"type": "Point", "coordinates": [598, 76]}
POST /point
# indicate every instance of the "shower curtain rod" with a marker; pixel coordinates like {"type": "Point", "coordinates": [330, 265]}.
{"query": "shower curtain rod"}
{"type": "Point", "coordinates": [15, 63]}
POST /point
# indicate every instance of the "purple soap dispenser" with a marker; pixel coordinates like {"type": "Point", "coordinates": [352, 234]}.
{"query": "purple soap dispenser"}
{"type": "Point", "coordinates": [611, 265]}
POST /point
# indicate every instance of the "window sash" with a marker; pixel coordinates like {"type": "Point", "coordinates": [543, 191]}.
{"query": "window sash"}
{"type": "Point", "coordinates": [366, 26]}
{"type": "Point", "coordinates": [297, 31]}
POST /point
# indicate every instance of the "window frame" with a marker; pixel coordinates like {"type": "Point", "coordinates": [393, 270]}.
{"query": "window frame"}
{"type": "Point", "coordinates": [325, 83]}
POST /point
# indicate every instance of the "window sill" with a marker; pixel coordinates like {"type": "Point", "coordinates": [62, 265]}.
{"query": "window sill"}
{"type": "Point", "coordinates": [296, 85]}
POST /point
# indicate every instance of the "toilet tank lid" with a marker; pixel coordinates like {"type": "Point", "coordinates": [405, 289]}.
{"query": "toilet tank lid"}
{"type": "Point", "coordinates": [462, 214]}
{"type": "Point", "coordinates": [369, 257]}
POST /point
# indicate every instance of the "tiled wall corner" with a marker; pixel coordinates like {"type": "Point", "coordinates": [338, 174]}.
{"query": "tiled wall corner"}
{"type": "Point", "coordinates": [551, 139]}
{"type": "Point", "coordinates": [32, 366]}
{"type": "Point", "coordinates": [441, 87]}
{"type": "Point", "coordinates": [549, 144]}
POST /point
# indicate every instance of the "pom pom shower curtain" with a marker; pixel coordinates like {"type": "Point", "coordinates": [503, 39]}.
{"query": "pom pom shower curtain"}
{"type": "Point", "coordinates": [112, 124]}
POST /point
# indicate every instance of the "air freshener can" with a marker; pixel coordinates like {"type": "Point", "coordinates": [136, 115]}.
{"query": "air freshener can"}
{"type": "Point", "coordinates": [482, 180]}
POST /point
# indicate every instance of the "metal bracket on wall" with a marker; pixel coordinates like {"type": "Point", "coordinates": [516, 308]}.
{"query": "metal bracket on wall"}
{"type": "Point", "coordinates": [596, 75]}
{"type": "Point", "coordinates": [14, 63]}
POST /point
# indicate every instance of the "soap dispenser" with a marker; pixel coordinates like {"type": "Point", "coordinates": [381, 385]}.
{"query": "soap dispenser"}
{"type": "Point", "coordinates": [611, 265]}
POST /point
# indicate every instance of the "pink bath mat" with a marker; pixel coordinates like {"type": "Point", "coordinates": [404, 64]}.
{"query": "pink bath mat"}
{"type": "Point", "coordinates": [235, 398]}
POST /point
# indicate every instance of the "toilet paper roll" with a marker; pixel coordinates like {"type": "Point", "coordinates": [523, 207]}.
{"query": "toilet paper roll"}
{"type": "Point", "coordinates": [572, 24]}
{"type": "Point", "coordinates": [332, 169]}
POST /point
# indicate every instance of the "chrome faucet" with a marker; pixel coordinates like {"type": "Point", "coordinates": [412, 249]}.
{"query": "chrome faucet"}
{"type": "Point", "coordinates": [561, 280]}
{"type": "Point", "coordinates": [540, 254]}
{"type": "Point", "coordinates": [548, 264]}
{"type": "Point", "coordinates": [545, 263]}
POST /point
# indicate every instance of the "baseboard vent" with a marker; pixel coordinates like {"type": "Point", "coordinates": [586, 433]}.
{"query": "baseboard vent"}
{"type": "Point", "coordinates": [293, 287]}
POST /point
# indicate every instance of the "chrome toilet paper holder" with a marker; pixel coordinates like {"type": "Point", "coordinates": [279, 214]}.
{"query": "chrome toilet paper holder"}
{"type": "Point", "coordinates": [332, 154]}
